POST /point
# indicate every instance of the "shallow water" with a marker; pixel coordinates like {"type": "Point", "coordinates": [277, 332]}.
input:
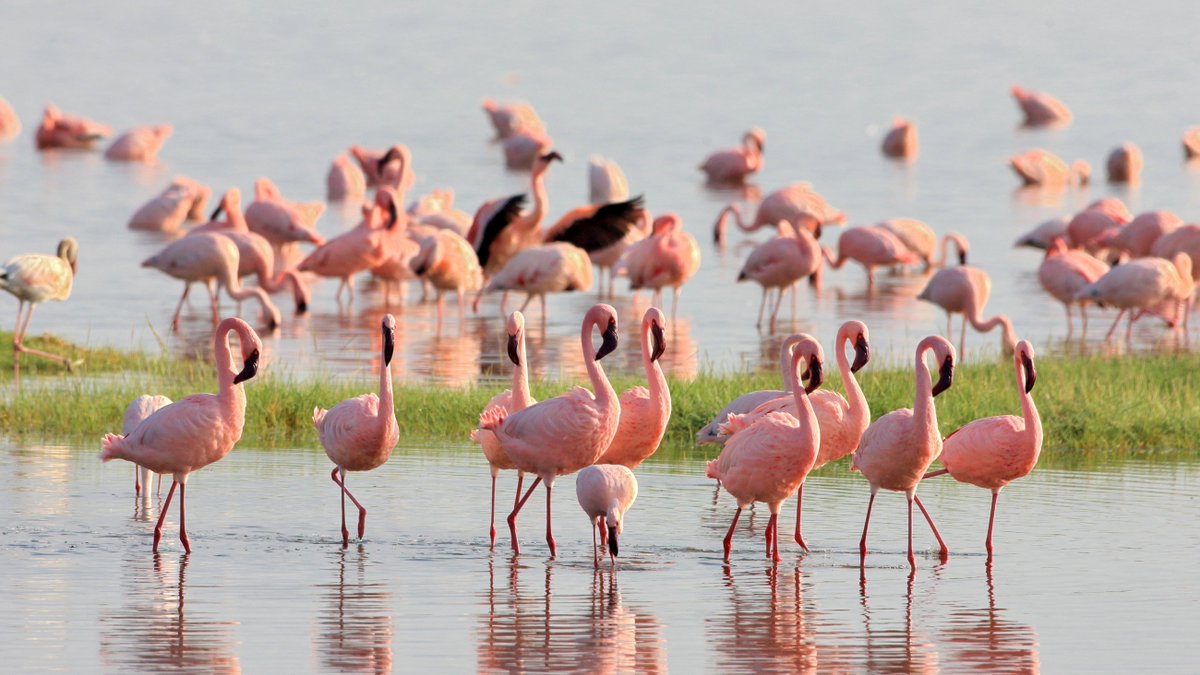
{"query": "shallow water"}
{"type": "Point", "coordinates": [1093, 573]}
{"type": "Point", "coordinates": [657, 89]}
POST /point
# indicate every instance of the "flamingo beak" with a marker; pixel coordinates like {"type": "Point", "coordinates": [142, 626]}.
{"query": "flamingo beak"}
{"type": "Point", "coordinates": [1030, 373]}
{"type": "Point", "coordinates": [862, 354]}
{"type": "Point", "coordinates": [945, 376]}
{"type": "Point", "coordinates": [249, 368]}
{"type": "Point", "coordinates": [817, 231]}
{"type": "Point", "coordinates": [660, 345]}
{"type": "Point", "coordinates": [610, 340]}
{"type": "Point", "coordinates": [512, 348]}
{"type": "Point", "coordinates": [389, 345]}
{"type": "Point", "coordinates": [612, 540]}
{"type": "Point", "coordinates": [962, 257]}
{"type": "Point", "coordinates": [814, 375]}
{"type": "Point", "coordinates": [383, 161]}
{"type": "Point", "coordinates": [217, 211]}
{"type": "Point", "coordinates": [394, 215]}
{"type": "Point", "coordinates": [552, 156]}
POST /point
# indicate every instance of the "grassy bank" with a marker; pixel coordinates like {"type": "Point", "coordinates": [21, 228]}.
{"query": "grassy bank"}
{"type": "Point", "coordinates": [1127, 404]}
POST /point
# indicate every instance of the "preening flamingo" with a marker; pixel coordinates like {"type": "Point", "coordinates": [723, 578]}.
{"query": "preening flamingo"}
{"type": "Point", "coordinates": [64, 131]}
{"type": "Point", "coordinates": [896, 450]}
{"type": "Point", "coordinates": [922, 241]}
{"type": "Point", "coordinates": [605, 232]}
{"type": "Point", "coordinates": [1044, 233]}
{"type": "Point", "coordinates": [900, 142]}
{"type": "Point", "coordinates": [142, 407]}
{"type": "Point", "coordinates": [345, 182]}
{"type": "Point", "coordinates": [871, 247]}
{"type": "Point", "coordinates": [1124, 164]}
{"type": "Point", "coordinates": [500, 228]}
{"type": "Point", "coordinates": [1040, 109]}
{"type": "Point", "coordinates": [605, 492]}
{"type": "Point", "coordinates": [373, 162]}
{"type": "Point", "coordinates": [669, 257]}
{"type": "Point", "coordinates": [437, 210]}
{"type": "Point", "coordinates": [506, 402]}
{"type": "Point", "coordinates": [780, 263]}
{"type": "Point", "coordinates": [395, 170]}
{"type": "Point", "coordinates": [768, 460]}
{"type": "Point", "coordinates": [994, 451]}
{"type": "Point", "coordinates": [797, 204]}
{"type": "Point", "coordinates": [10, 124]}
{"type": "Point", "coordinates": [447, 262]}
{"type": "Point", "coordinates": [361, 248]}
{"type": "Point", "coordinates": [566, 433]}
{"type": "Point", "coordinates": [167, 211]}
{"type": "Point", "coordinates": [1043, 168]}
{"type": "Point", "coordinates": [606, 181]}
{"type": "Point", "coordinates": [1065, 272]}
{"type": "Point", "coordinates": [710, 434]}
{"type": "Point", "coordinates": [140, 144]}
{"type": "Point", "coordinates": [1139, 236]}
{"type": "Point", "coordinates": [1146, 285]}
{"type": "Point", "coordinates": [359, 433]}
{"type": "Point", "coordinates": [645, 412]}
{"type": "Point", "coordinates": [196, 431]}
{"type": "Point", "coordinates": [508, 118]}
{"type": "Point", "coordinates": [1092, 230]}
{"type": "Point", "coordinates": [733, 165]}
{"type": "Point", "coordinates": [36, 278]}
{"type": "Point", "coordinates": [965, 290]}
{"type": "Point", "coordinates": [284, 223]}
{"type": "Point", "coordinates": [1113, 208]}
{"type": "Point", "coordinates": [549, 268]}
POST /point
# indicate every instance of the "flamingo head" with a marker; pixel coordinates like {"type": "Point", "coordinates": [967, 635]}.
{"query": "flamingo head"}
{"type": "Point", "coordinates": [1025, 358]}
{"type": "Point", "coordinates": [807, 351]}
{"type": "Point", "coordinates": [385, 198]}
{"type": "Point", "coordinates": [757, 137]}
{"type": "Point", "coordinates": [604, 317]}
{"type": "Point", "coordinates": [614, 522]}
{"type": "Point", "coordinates": [516, 325]}
{"type": "Point", "coordinates": [943, 354]}
{"type": "Point", "coordinates": [396, 153]}
{"type": "Point", "coordinates": [68, 250]}
{"type": "Point", "coordinates": [655, 322]}
{"type": "Point", "coordinates": [664, 223]}
{"type": "Point", "coordinates": [251, 347]}
{"type": "Point", "coordinates": [389, 338]}
{"type": "Point", "coordinates": [862, 343]}
{"type": "Point", "coordinates": [427, 257]}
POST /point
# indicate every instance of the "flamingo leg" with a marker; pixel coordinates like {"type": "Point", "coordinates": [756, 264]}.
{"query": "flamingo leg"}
{"type": "Point", "coordinates": [19, 347]}
{"type": "Point", "coordinates": [187, 546]}
{"type": "Point", "coordinates": [675, 304]}
{"type": "Point", "coordinates": [512, 517]}
{"type": "Point", "coordinates": [773, 538]}
{"type": "Point", "coordinates": [775, 312]}
{"type": "Point", "coordinates": [528, 299]}
{"type": "Point", "coordinates": [762, 304]}
{"type": "Point", "coordinates": [213, 301]}
{"type": "Point", "coordinates": [862, 544]}
{"type": "Point", "coordinates": [1083, 311]}
{"type": "Point", "coordinates": [362, 512]}
{"type": "Point", "coordinates": [549, 533]}
{"type": "Point", "coordinates": [163, 515]}
{"type": "Point", "coordinates": [492, 531]}
{"type": "Point", "coordinates": [345, 532]}
{"type": "Point", "coordinates": [520, 479]}
{"type": "Point", "coordinates": [799, 505]}
{"type": "Point", "coordinates": [912, 562]}
{"type": "Point", "coordinates": [1070, 320]}
{"type": "Point", "coordinates": [595, 551]}
{"type": "Point", "coordinates": [179, 308]}
{"type": "Point", "coordinates": [1109, 334]}
{"type": "Point", "coordinates": [962, 339]}
{"type": "Point", "coordinates": [944, 551]}
{"type": "Point", "coordinates": [991, 519]}
{"type": "Point", "coordinates": [771, 522]}
{"type": "Point", "coordinates": [729, 535]}
{"type": "Point", "coordinates": [1133, 316]}
{"type": "Point", "coordinates": [777, 558]}
{"type": "Point", "coordinates": [137, 481]}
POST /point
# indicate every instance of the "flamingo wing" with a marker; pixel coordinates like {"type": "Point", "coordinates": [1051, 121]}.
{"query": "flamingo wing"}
{"type": "Point", "coordinates": [562, 419]}
{"type": "Point", "coordinates": [608, 225]}
{"type": "Point", "coordinates": [497, 223]}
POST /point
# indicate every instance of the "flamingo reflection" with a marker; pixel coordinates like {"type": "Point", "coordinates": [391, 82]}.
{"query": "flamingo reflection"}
{"type": "Point", "coordinates": [895, 649]}
{"type": "Point", "coordinates": [983, 639]}
{"type": "Point", "coordinates": [355, 627]}
{"type": "Point", "coordinates": [766, 628]}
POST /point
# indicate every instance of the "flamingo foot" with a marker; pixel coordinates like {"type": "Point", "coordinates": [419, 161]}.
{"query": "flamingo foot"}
{"type": "Point", "coordinates": [512, 530]}
{"type": "Point", "coordinates": [553, 546]}
{"type": "Point", "coordinates": [800, 541]}
{"type": "Point", "coordinates": [362, 522]}
{"type": "Point", "coordinates": [345, 536]}
{"type": "Point", "coordinates": [492, 538]}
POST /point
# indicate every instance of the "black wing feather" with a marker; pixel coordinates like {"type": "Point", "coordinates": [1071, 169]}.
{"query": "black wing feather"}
{"type": "Point", "coordinates": [503, 217]}
{"type": "Point", "coordinates": [608, 225]}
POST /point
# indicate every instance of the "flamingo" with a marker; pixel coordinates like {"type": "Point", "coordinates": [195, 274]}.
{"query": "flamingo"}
{"type": "Point", "coordinates": [507, 118]}
{"type": "Point", "coordinates": [550, 268]}
{"type": "Point", "coordinates": [1040, 109]}
{"type": "Point", "coordinates": [500, 228]}
{"type": "Point", "coordinates": [923, 242]}
{"type": "Point", "coordinates": [448, 263]}
{"type": "Point", "coordinates": [359, 433]}
{"type": "Point", "coordinates": [780, 263]}
{"type": "Point", "coordinates": [1113, 208]}
{"type": "Point", "coordinates": [564, 434]}
{"type": "Point", "coordinates": [196, 431]}
{"type": "Point", "coordinates": [509, 401]}
{"type": "Point", "coordinates": [397, 267]}
{"type": "Point", "coordinates": [140, 144]}
{"type": "Point", "coordinates": [373, 162]}
{"type": "Point", "coordinates": [142, 407]}
{"type": "Point", "coordinates": [395, 170]}
{"type": "Point", "coordinates": [10, 124]}
{"type": "Point", "coordinates": [1044, 233]}
{"type": "Point", "coordinates": [283, 223]}
{"type": "Point", "coordinates": [1064, 273]}
{"type": "Point", "coordinates": [896, 450]}
{"type": "Point", "coordinates": [1184, 239]}
{"type": "Point", "coordinates": [900, 142]}
{"type": "Point", "coordinates": [767, 460]}
{"type": "Point", "coordinates": [1044, 168]}
{"type": "Point", "coordinates": [604, 231]}
{"type": "Point", "coordinates": [871, 247]}
{"type": "Point", "coordinates": [965, 290]}
{"type": "Point", "coordinates": [167, 211]}
{"type": "Point", "coordinates": [1092, 230]}
{"type": "Point", "coordinates": [437, 210]}
{"type": "Point", "coordinates": [35, 278]}
{"type": "Point", "coordinates": [1144, 285]}
{"type": "Point", "coordinates": [605, 492]}
{"type": "Point", "coordinates": [1191, 139]}
{"type": "Point", "coordinates": [733, 165]}
{"type": "Point", "coordinates": [359, 249]}
{"type": "Point", "coordinates": [345, 182]}
{"type": "Point", "coordinates": [606, 182]}
{"type": "Point", "coordinates": [523, 147]}
{"type": "Point", "coordinates": [1138, 237]}
{"type": "Point", "coordinates": [994, 451]}
{"type": "Point", "coordinates": [711, 434]}
{"type": "Point", "coordinates": [668, 257]}
{"type": "Point", "coordinates": [644, 412]}
{"type": "Point", "coordinates": [63, 131]}
{"type": "Point", "coordinates": [797, 203]}
{"type": "Point", "coordinates": [1124, 164]}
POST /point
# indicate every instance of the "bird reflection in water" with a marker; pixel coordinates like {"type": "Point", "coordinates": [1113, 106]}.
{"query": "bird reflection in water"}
{"type": "Point", "coordinates": [895, 650]}
{"type": "Point", "coordinates": [596, 633]}
{"type": "Point", "coordinates": [983, 639]}
{"type": "Point", "coordinates": [354, 631]}
{"type": "Point", "coordinates": [152, 632]}
{"type": "Point", "coordinates": [767, 627]}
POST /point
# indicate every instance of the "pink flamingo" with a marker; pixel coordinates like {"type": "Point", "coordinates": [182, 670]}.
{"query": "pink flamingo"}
{"type": "Point", "coordinates": [605, 492]}
{"type": "Point", "coordinates": [36, 278]}
{"type": "Point", "coordinates": [1043, 168]}
{"type": "Point", "coordinates": [359, 249]}
{"type": "Point", "coordinates": [711, 434]}
{"type": "Point", "coordinates": [668, 257]}
{"type": "Point", "coordinates": [797, 204]}
{"type": "Point", "coordinates": [359, 433]}
{"type": "Point", "coordinates": [1044, 233]}
{"type": "Point", "coordinates": [373, 162]}
{"type": "Point", "coordinates": [733, 165]}
{"type": "Point", "coordinates": [1184, 239]}
{"type": "Point", "coordinates": [395, 170]}
{"type": "Point", "coordinates": [509, 401]}
{"type": "Point", "coordinates": [345, 182]}
{"type": "Point", "coordinates": [965, 290]}
{"type": "Point", "coordinates": [1040, 109]}
{"type": "Point", "coordinates": [1138, 237]}
{"type": "Point", "coordinates": [500, 228]}
{"type": "Point", "coordinates": [605, 231]}
{"type": "Point", "coordinates": [994, 451]}
{"type": "Point", "coordinates": [447, 262]}
{"type": "Point", "coordinates": [1145, 285]}
{"type": "Point", "coordinates": [524, 146]}
{"type": "Point", "coordinates": [896, 450]}
{"type": "Point", "coordinates": [197, 430]}
{"type": "Point", "coordinates": [606, 181]}
{"type": "Point", "coordinates": [10, 124]}
{"type": "Point", "coordinates": [768, 460]}
{"type": "Point", "coordinates": [437, 210]}
{"type": "Point", "coordinates": [140, 144]}
{"type": "Point", "coordinates": [901, 140]}
{"type": "Point", "coordinates": [871, 247]}
{"type": "Point", "coordinates": [1091, 229]}
{"type": "Point", "coordinates": [780, 263]}
{"type": "Point", "coordinates": [1113, 208]}
{"type": "Point", "coordinates": [142, 407]}
{"type": "Point", "coordinates": [1065, 272]}
{"type": "Point", "coordinates": [1124, 164]}
{"type": "Point", "coordinates": [63, 131]}
{"type": "Point", "coordinates": [397, 267]}
{"type": "Point", "coordinates": [922, 241]}
{"type": "Point", "coordinates": [564, 434]}
{"type": "Point", "coordinates": [167, 211]}
{"type": "Point", "coordinates": [550, 268]}
{"type": "Point", "coordinates": [1191, 140]}
{"type": "Point", "coordinates": [508, 118]}
{"type": "Point", "coordinates": [644, 412]}
{"type": "Point", "coordinates": [283, 223]}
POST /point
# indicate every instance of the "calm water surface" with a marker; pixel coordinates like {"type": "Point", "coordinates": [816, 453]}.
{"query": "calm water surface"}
{"type": "Point", "coordinates": [268, 90]}
{"type": "Point", "coordinates": [1094, 573]}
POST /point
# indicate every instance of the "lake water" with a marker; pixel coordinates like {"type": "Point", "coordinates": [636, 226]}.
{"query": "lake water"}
{"type": "Point", "coordinates": [1093, 573]}
{"type": "Point", "coordinates": [273, 91]}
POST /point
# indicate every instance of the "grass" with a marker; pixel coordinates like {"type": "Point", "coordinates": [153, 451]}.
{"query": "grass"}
{"type": "Point", "coordinates": [1131, 406]}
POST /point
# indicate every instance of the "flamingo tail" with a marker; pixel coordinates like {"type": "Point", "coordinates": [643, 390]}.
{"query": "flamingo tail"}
{"type": "Point", "coordinates": [112, 447]}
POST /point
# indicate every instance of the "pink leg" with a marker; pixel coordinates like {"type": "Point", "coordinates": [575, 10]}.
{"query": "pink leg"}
{"type": "Point", "coordinates": [991, 518]}
{"type": "Point", "coordinates": [520, 479]}
{"type": "Point", "coordinates": [492, 531]}
{"type": "Point", "coordinates": [549, 533]}
{"type": "Point", "coordinates": [595, 551]}
{"type": "Point", "coordinates": [179, 308]}
{"type": "Point", "coordinates": [771, 522]}
{"type": "Point", "coordinates": [777, 557]}
{"type": "Point", "coordinates": [729, 535]}
{"type": "Point", "coordinates": [862, 544]}
{"type": "Point", "coordinates": [1109, 334]}
{"type": "Point", "coordinates": [187, 546]}
{"type": "Point", "coordinates": [512, 517]}
{"type": "Point", "coordinates": [773, 538]}
{"type": "Point", "coordinates": [362, 512]}
{"type": "Point", "coordinates": [799, 505]}
{"type": "Point", "coordinates": [944, 551]}
{"type": "Point", "coordinates": [163, 515]}
{"type": "Point", "coordinates": [912, 562]}
{"type": "Point", "coordinates": [137, 482]}
{"type": "Point", "coordinates": [345, 532]}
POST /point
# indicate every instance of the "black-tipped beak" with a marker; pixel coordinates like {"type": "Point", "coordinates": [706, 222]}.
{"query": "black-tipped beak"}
{"type": "Point", "coordinates": [389, 345]}
{"type": "Point", "coordinates": [393, 215]}
{"type": "Point", "coordinates": [962, 257]}
{"type": "Point", "coordinates": [814, 375]}
{"type": "Point", "coordinates": [1030, 373]}
{"type": "Point", "coordinates": [302, 307]}
{"type": "Point", "coordinates": [552, 156]}
{"type": "Point", "coordinates": [945, 376]}
{"type": "Point", "coordinates": [420, 270]}
{"type": "Point", "coordinates": [817, 232]}
{"type": "Point", "coordinates": [862, 353]}
{"type": "Point", "coordinates": [383, 161]}
{"type": "Point", "coordinates": [512, 349]}
{"type": "Point", "coordinates": [660, 344]}
{"type": "Point", "coordinates": [217, 211]}
{"type": "Point", "coordinates": [610, 340]}
{"type": "Point", "coordinates": [612, 540]}
{"type": "Point", "coordinates": [249, 368]}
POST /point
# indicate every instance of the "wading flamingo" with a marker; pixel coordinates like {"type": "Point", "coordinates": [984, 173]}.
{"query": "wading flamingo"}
{"type": "Point", "coordinates": [1138, 237]}
{"type": "Point", "coordinates": [1113, 208]}
{"type": "Point", "coordinates": [10, 124]}
{"type": "Point", "coordinates": [606, 182]}
{"type": "Point", "coordinates": [667, 258]}
{"type": "Point", "coordinates": [896, 450]}
{"type": "Point", "coordinates": [437, 210]}
{"type": "Point", "coordinates": [501, 228]}
{"type": "Point", "coordinates": [345, 182]}
{"type": "Point", "coordinates": [605, 232]}
{"type": "Point", "coordinates": [1185, 239]}
{"type": "Point", "coordinates": [35, 278]}
{"type": "Point", "coordinates": [605, 492]}
{"type": "Point", "coordinates": [871, 247]}
{"type": "Point", "coordinates": [1064, 273]}
{"type": "Point", "coordinates": [994, 451]}
{"type": "Point", "coordinates": [566, 433]}
{"type": "Point", "coordinates": [1124, 164]}
{"type": "Point", "coordinates": [1044, 233]}
{"type": "Point", "coordinates": [711, 434]}
{"type": "Point", "coordinates": [197, 430]}
{"type": "Point", "coordinates": [644, 412]}
{"type": "Point", "coordinates": [769, 459]}
{"type": "Point", "coordinates": [1092, 230]}
{"type": "Point", "coordinates": [1040, 109]}
{"type": "Point", "coordinates": [923, 242]}
{"type": "Point", "coordinates": [374, 162]}
{"type": "Point", "coordinates": [508, 118]}
{"type": "Point", "coordinates": [1043, 168]}
{"type": "Point", "coordinates": [797, 203]}
{"type": "Point", "coordinates": [780, 263]}
{"type": "Point", "coordinates": [447, 262]}
{"type": "Point", "coordinates": [284, 223]}
{"type": "Point", "coordinates": [1145, 285]}
{"type": "Point", "coordinates": [900, 142]}
{"type": "Point", "coordinates": [167, 211]}
{"type": "Point", "coordinates": [142, 407]}
{"type": "Point", "coordinates": [524, 146]}
{"type": "Point", "coordinates": [509, 401]}
{"type": "Point", "coordinates": [63, 131]}
{"type": "Point", "coordinates": [359, 433]}
{"type": "Point", "coordinates": [359, 249]}
{"type": "Point", "coordinates": [733, 165]}
{"type": "Point", "coordinates": [550, 268]}
{"type": "Point", "coordinates": [140, 144]}
{"type": "Point", "coordinates": [965, 290]}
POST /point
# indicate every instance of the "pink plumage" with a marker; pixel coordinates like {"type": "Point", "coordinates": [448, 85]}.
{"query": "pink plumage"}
{"type": "Point", "coordinates": [1040, 108]}
{"type": "Point", "coordinates": [669, 257]}
{"type": "Point", "coordinates": [871, 247]}
{"type": "Point", "coordinates": [141, 408]}
{"type": "Point", "coordinates": [645, 412]}
{"type": "Point", "coordinates": [965, 290]}
{"type": "Point", "coordinates": [140, 144]}
{"type": "Point", "coordinates": [734, 165]}
{"type": "Point", "coordinates": [605, 493]}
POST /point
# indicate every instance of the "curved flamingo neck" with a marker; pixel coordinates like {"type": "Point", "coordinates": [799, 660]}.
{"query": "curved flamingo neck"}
{"type": "Point", "coordinates": [983, 326]}
{"type": "Point", "coordinates": [804, 410]}
{"type": "Point", "coordinates": [786, 371]}
{"type": "Point", "coordinates": [387, 407]}
{"type": "Point", "coordinates": [600, 384]}
{"type": "Point", "coordinates": [520, 383]}
{"type": "Point", "coordinates": [835, 263]}
{"type": "Point", "coordinates": [227, 277]}
{"type": "Point", "coordinates": [237, 220]}
{"type": "Point", "coordinates": [230, 396]}
{"type": "Point", "coordinates": [856, 401]}
{"type": "Point", "coordinates": [541, 200]}
{"type": "Point", "coordinates": [656, 382]}
{"type": "Point", "coordinates": [924, 412]}
{"type": "Point", "coordinates": [1029, 411]}
{"type": "Point", "coordinates": [946, 241]}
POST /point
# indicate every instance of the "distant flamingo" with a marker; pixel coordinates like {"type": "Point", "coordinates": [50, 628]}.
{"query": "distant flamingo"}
{"type": "Point", "coordinates": [141, 408]}
{"type": "Point", "coordinates": [448, 263]}
{"type": "Point", "coordinates": [733, 165]}
{"type": "Point", "coordinates": [1124, 164]}
{"type": "Point", "coordinates": [140, 144]}
{"type": "Point", "coordinates": [509, 401]}
{"type": "Point", "coordinates": [550, 268]}
{"type": "Point", "coordinates": [508, 118]}
{"type": "Point", "coordinates": [35, 278]}
{"type": "Point", "coordinates": [1184, 239]}
{"type": "Point", "coordinates": [345, 182]}
{"type": "Point", "coordinates": [644, 412]}
{"type": "Point", "coordinates": [896, 450]}
{"type": "Point", "coordinates": [1045, 233]}
{"type": "Point", "coordinates": [1113, 208]}
{"type": "Point", "coordinates": [567, 433]}
{"type": "Point", "coordinates": [359, 249]}
{"type": "Point", "coordinates": [196, 431]}
{"type": "Point", "coordinates": [606, 182]}
{"type": "Point", "coordinates": [965, 290]}
{"type": "Point", "coordinates": [871, 247]}
{"type": "Point", "coordinates": [437, 210]}
{"type": "Point", "coordinates": [167, 211]}
{"type": "Point", "coordinates": [524, 146]}
{"type": "Point", "coordinates": [500, 228]}
{"type": "Point", "coordinates": [397, 267]}
{"type": "Point", "coordinates": [1040, 109]}
{"type": "Point", "coordinates": [668, 257]}
{"type": "Point", "coordinates": [373, 162]}
{"type": "Point", "coordinates": [605, 492]}
{"type": "Point", "coordinates": [1091, 230]}
{"type": "Point", "coordinates": [10, 124]}
{"type": "Point", "coordinates": [923, 242]}
{"type": "Point", "coordinates": [395, 170]}
{"type": "Point", "coordinates": [1147, 285]}
{"type": "Point", "coordinates": [283, 223]}
{"type": "Point", "coordinates": [63, 131]}
{"type": "Point", "coordinates": [768, 460]}
{"type": "Point", "coordinates": [1064, 273]}
{"type": "Point", "coordinates": [711, 434]}
{"type": "Point", "coordinates": [1191, 139]}
{"type": "Point", "coordinates": [901, 140]}
{"type": "Point", "coordinates": [781, 262]}
{"type": "Point", "coordinates": [994, 451]}
{"type": "Point", "coordinates": [1045, 169]}
{"type": "Point", "coordinates": [797, 204]}
{"type": "Point", "coordinates": [605, 231]}
{"type": "Point", "coordinates": [1138, 237]}
{"type": "Point", "coordinates": [359, 433]}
